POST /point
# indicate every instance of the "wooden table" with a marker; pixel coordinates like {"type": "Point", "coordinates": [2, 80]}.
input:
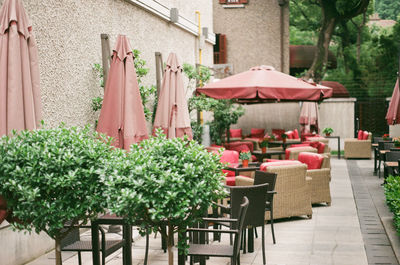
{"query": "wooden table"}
{"type": "Point", "coordinates": [240, 168]}
{"type": "Point", "coordinates": [386, 166]}
{"type": "Point", "coordinates": [338, 140]}
{"type": "Point", "coordinates": [260, 156]}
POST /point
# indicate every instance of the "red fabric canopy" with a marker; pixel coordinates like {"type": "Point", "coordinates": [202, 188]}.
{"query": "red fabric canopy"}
{"type": "Point", "coordinates": [393, 113]}
{"type": "Point", "coordinates": [264, 82]}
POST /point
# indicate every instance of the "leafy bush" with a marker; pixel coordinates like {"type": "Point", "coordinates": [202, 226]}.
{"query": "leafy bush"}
{"type": "Point", "coordinates": [51, 176]}
{"type": "Point", "coordinates": [165, 181]}
{"type": "Point", "coordinates": [392, 192]}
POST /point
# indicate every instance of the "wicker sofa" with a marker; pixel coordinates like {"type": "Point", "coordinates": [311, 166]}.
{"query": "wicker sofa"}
{"type": "Point", "coordinates": [354, 148]}
{"type": "Point", "coordinates": [293, 152]}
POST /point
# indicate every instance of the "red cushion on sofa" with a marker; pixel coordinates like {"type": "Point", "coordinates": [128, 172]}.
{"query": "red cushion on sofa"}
{"type": "Point", "coordinates": [235, 133]}
{"type": "Point", "coordinates": [229, 156]}
{"type": "Point", "coordinates": [272, 160]}
{"type": "Point", "coordinates": [257, 133]}
{"type": "Point", "coordinates": [360, 135]}
{"type": "Point", "coordinates": [365, 135]}
{"type": "Point", "coordinates": [290, 134]}
{"type": "Point", "coordinates": [312, 160]}
{"type": "Point", "coordinates": [240, 146]}
{"type": "Point", "coordinates": [320, 147]}
{"type": "Point", "coordinates": [229, 173]}
{"type": "Point", "coordinates": [300, 145]}
{"type": "Point", "coordinates": [230, 181]}
{"type": "Point", "coordinates": [265, 165]}
{"type": "Point", "coordinates": [296, 134]}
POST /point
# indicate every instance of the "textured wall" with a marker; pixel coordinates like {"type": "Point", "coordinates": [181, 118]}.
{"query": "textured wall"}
{"type": "Point", "coordinates": [253, 34]}
{"type": "Point", "coordinates": [68, 37]}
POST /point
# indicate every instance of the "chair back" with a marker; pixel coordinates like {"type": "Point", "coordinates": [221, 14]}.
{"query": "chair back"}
{"type": "Point", "coordinates": [241, 215]}
{"type": "Point", "coordinates": [262, 177]}
{"type": "Point", "coordinates": [381, 144]}
{"type": "Point", "coordinates": [377, 139]}
{"type": "Point", "coordinates": [392, 156]}
{"type": "Point", "coordinates": [388, 145]}
{"type": "Point", "coordinates": [257, 198]}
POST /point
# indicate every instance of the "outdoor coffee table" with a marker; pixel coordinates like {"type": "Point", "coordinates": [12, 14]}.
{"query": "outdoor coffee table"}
{"type": "Point", "coordinates": [386, 166]}
{"type": "Point", "coordinates": [240, 168]}
{"type": "Point", "coordinates": [260, 156]}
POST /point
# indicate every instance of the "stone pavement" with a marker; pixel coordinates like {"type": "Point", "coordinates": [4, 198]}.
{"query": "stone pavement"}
{"type": "Point", "coordinates": [333, 236]}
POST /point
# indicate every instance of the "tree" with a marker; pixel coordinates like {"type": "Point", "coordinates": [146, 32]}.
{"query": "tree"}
{"type": "Point", "coordinates": [333, 12]}
{"type": "Point", "coordinates": [165, 182]}
{"type": "Point", "coordinates": [387, 9]}
{"type": "Point", "coordinates": [52, 176]}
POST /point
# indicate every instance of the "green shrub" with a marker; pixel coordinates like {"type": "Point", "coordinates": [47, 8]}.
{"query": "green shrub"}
{"type": "Point", "coordinates": [392, 192]}
{"type": "Point", "coordinates": [51, 176]}
{"type": "Point", "coordinates": [165, 181]}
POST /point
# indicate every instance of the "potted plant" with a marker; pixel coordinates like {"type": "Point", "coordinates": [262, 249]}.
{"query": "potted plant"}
{"type": "Point", "coordinates": [327, 131]}
{"type": "Point", "coordinates": [385, 137]}
{"type": "Point", "coordinates": [264, 144]}
{"type": "Point", "coordinates": [245, 156]}
{"type": "Point", "coordinates": [284, 137]}
{"type": "Point", "coordinates": [165, 182]}
{"type": "Point", "coordinates": [396, 142]}
{"type": "Point", "coordinates": [51, 176]}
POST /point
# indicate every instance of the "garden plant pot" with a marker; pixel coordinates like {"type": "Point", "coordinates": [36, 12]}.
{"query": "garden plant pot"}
{"type": "Point", "coordinates": [283, 140]}
{"type": "Point", "coordinates": [245, 163]}
{"type": "Point", "coordinates": [263, 150]}
{"type": "Point", "coordinates": [327, 134]}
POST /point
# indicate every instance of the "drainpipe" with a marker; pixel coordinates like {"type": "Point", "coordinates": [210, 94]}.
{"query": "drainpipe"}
{"type": "Point", "coordinates": [199, 113]}
{"type": "Point", "coordinates": [282, 4]}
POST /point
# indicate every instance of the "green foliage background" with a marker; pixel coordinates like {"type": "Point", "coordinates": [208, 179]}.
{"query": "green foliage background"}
{"type": "Point", "coordinates": [392, 192]}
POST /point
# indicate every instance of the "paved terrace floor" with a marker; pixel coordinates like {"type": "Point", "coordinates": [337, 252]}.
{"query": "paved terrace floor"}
{"type": "Point", "coordinates": [348, 232]}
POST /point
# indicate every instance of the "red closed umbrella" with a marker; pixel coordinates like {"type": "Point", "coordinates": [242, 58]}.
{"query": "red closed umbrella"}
{"type": "Point", "coordinates": [20, 103]}
{"type": "Point", "coordinates": [172, 114]}
{"type": "Point", "coordinates": [122, 116]}
{"type": "Point", "coordinates": [309, 117]}
{"type": "Point", "coordinates": [393, 113]}
{"type": "Point", "coordinates": [264, 82]}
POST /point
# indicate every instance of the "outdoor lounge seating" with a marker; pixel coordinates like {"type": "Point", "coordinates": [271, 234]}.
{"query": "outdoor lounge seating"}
{"type": "Point", "coordinates": [293, 196]}
{"type": "Point", "coordinates": [292, 153]}
{"type": "Point", "coordinates": [196, 249]}
{"type": "Point", "coordinates": [319, 174]}
{"type": "Point", "coordinates": [358, 147]}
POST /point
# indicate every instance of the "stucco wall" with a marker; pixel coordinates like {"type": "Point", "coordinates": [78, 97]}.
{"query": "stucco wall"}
{"type": "Point", "coordinates": [68, 37]}
{"type": "Point", "coordinates": [253, 34]}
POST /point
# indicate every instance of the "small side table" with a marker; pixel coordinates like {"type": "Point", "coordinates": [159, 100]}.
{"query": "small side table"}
{"type": "Point", "coordinates": [260, 156]}
{"type": "Point", "coordinates": [338, 141]}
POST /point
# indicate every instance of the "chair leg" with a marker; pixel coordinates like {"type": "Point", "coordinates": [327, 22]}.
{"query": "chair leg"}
{"type": "Point", "coordinates": [244, 240]}
{"type": "Point", "coordinates": [255, 233]}
{"type": "Point", "coordinates": [191, 260]}
{"type": "Point", "coordinates": [79, 258]}
{"type": "Point", "coordinates": [263, 243]}
{"type": "Point", "coordinates": [272, 225]}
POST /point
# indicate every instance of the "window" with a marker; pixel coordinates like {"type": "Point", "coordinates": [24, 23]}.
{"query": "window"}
{"type": "Point", "coordinates": [220, 49]}
{"type": "Point", "coordinates": [233, 1]}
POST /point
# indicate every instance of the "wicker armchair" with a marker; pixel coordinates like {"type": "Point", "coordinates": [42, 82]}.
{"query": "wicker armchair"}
{"type": "Point", "coordinates": [354, 148]}
{"type": "Point", "coordinates": [293, 152]}
{"type": "Point", "coordinates": [319, 177]}
{"type": "Point", "coordinates": [293, 197]}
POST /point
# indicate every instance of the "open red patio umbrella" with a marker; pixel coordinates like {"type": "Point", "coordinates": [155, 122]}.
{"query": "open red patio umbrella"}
{"type": "Point", "coordinates": [122, 116]}
{"type": "Point", "coordinates": [264, 82]}
{"type": "Point", "coordinates": [172, 114]}
{"type": "Point", "coordinates": [393, 113]}
{"type": "Point", "coordinates": [20, 103]}
{"type": "Point", "coordinates": [309, 117]}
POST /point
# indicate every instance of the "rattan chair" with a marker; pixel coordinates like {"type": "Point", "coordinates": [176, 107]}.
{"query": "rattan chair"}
{"type": "Point", "coordinates": [354, 148]}
{"type": "Point", "coordinates": [236, 229]}
{"type": "Point", "coordinates": [392, 156]}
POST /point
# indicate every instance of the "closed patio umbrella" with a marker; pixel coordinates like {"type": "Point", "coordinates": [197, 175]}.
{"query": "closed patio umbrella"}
{"type": "Point", "coordinates": [309, 117]}
{"type": "Point", "coordinates": [393, 113]}
{"type": "Point", "coordinates": [172, 114]}
{"type": "Point", "coordinates": [264, 83]}
{"type": "Point", "coordinates": [122, 116]}
{"type": "Point", "coordinates": [20, 103]}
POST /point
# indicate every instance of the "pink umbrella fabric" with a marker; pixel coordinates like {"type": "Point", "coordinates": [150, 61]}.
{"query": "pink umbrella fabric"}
{"type": "Point", "coordinates": [20, 103]}
{"type": "Point", "coordinates": [309, 117]}
{"type": "Point", "coordinates": [122, 116]}
{"type": "Point", "coordinates": [263, 82]}
{"type": "Point", "coordinates": [393, 113]}
{"type": "Point", "coordinates": [172, 114]}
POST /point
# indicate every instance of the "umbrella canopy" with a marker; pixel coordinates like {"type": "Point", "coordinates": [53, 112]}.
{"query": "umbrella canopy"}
{"type": "Point", "coordinates": [172, 114]}
{"type": "Point", "coordinates": [393, 113]}
{"type": "Point", "coordinates": [122, 115]}
{"type": "Point", "coordinates": [309, 117]}
{"type": "Point", "coordinates": [263, 82]}
{"type": "Point", "coordinates": [20, 103]}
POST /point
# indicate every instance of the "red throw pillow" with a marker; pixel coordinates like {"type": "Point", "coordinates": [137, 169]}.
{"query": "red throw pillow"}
{"type": "Point", "coordinates": [360, 135]}
{"type": "Point", "coordinates": [229, 156]}
{"type": "Point", "coordinates": [296, 134]}
{"type": "Point", "coordinates": [320, 148]}
{"type": "Point", "coordinates": [312, 160]}
{"type": "Point", "coordinates": [290, 134]}
{"type": "Point", "coordinates": [240, 146]}
{"type": "Point", "coordinates": [264, 166]}
{"type": "Point", "coordinates": [230, 181]}
{"type": "Point", "coordinates": [365, 135]}
{"type": "Point", "coordinates": [235, 133]}
{"type": "Point", "coordinates": [257, 133]}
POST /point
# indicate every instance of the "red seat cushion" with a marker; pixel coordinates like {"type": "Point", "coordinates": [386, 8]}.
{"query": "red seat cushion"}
{"type": "Point", "coordinates": [312, 160]}
{"type": "Point", "coordinates": [290, 134]}
{"type": "Point", "coordinates": [365, 135]}
{"type": "Point", "coordinates": [296, 134]}
{"type": "Point", "coordinates": [265, 165]}
{"type": "Point", "coordinates": [240, 146]}
{"type": "Point", "coordinates": [231, 157]}
{"type": "Point", "coordinates": [257, 133]}
{"type": "Point", "coordinates": [230, 181]}
{"type": "Point", "coordinates": [300, 145]}
{"type": "Point", "coordinates": [235, 133]}
{"type": "Point", "coordinates": [360, 135]}
{"type": "Point", "coordinates": [229, 173]}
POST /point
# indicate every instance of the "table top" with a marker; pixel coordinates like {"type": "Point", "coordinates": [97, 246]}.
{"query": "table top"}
{"type": "Point", "coordinates": [269, 152]}
{"type": "Point", "coordinates": [332, 136]}
{"type": "Point", "coordinates": [384, 151]}
{"type": "Point", "coordinates": [391, 164]}
{"type": "Point", "coordinates": [375, 145]}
